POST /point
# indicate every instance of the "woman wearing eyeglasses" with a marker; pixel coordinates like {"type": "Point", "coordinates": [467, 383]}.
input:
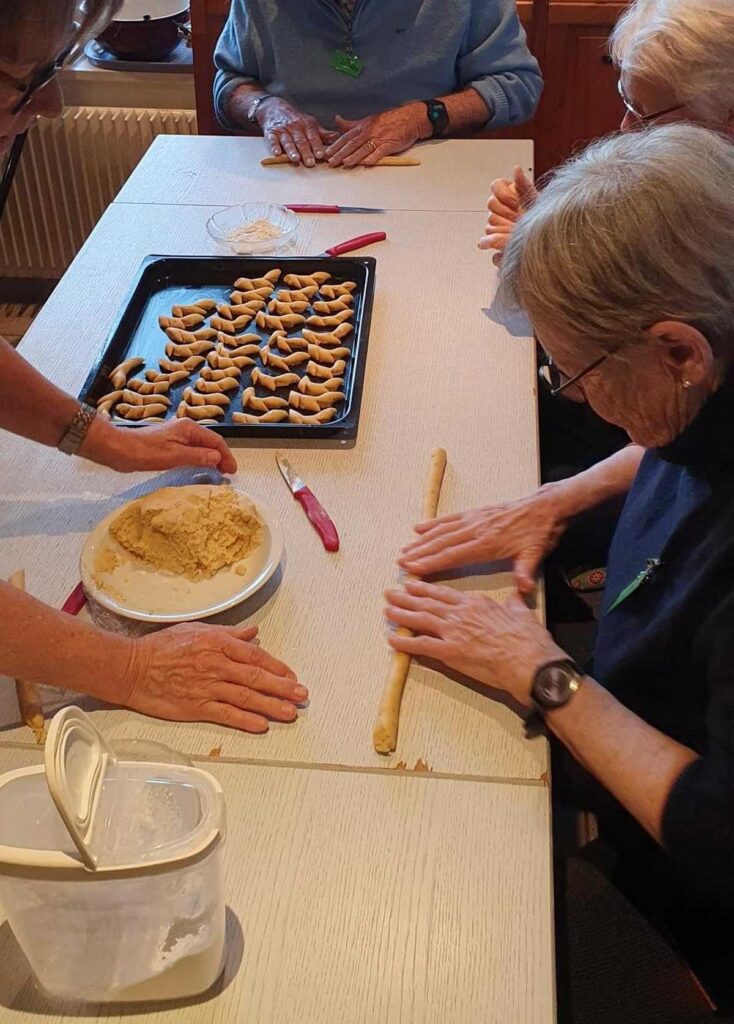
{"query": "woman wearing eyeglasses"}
{"type": "Point", "coordinates": [633, 297]}
{"type": "Point", "coordinates": [676, 63]}
{"type": "Point", "coordinates": [188, 673]}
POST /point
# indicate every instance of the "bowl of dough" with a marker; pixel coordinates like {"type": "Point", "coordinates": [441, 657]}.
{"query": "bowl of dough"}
{"type": "Point", "coordinates": [253, 228]}
{"type": "Point", "coordinates": [181, 553]}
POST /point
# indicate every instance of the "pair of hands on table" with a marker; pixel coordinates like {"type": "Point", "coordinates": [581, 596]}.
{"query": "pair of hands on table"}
{"type": "Point", "coordinates": [304, 140]}
{"type": "Point", "coordinates": [500, 646]}
{"type": "Point", "coordinates": [195, 672]}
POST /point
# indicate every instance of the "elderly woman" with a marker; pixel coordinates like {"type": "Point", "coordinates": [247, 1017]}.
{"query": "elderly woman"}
{"type": "Point", "coordinates": [633, 298]}
{"type": "Point", "coordinates": [676, 62]}
{"type": "Point", "coordinates": [384, 75]}
{"type": "Point", "coordinates": [193, 672]}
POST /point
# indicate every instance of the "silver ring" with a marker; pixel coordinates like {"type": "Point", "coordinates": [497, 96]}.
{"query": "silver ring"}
{"type": "Point", "coordinates": [371, 144]}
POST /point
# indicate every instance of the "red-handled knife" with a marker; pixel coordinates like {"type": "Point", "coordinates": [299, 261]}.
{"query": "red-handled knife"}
{"type": "Point", "coordinates": [75, 601]}
{"type": "Point", "coordinates": [326, 208]}
{"type": "Point", "coordinates": [355, 243]}
{"type": "Point", "coordinates": [317, 515]}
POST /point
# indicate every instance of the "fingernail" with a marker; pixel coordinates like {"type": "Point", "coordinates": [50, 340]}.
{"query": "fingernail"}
{"type": "Point", "coordinates": [288, 710]}
{"type": "Point", "coordinates": [301, 692]}
{"type": "Point", "coordinates": [309, 162]}
{"type": "Point", "coordinates": [320, 154]}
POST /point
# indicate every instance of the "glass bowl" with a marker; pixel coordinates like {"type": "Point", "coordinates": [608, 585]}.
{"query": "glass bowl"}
{"type": "Point", "coordinates": [222, 224]}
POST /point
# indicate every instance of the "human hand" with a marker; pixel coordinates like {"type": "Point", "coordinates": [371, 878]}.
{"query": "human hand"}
{"type": "Point", "coordinates": [287, 130]}
{"type": "Point", "coordinates": [501, 646]}
{"type": "Point", "coordinates": [508, 201]}
{"type": "Point", "coordinates": [181, 442]}
{"type": "Point", "coordinates": [525, 531]}
{"type": "Point", "coordinates": [366, 141]}
{"type": "Point", "coordinates": [199, 673]}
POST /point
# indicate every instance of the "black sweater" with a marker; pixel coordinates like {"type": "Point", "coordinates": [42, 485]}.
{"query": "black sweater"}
{"type": "Point", "coordinates": [667, 650]}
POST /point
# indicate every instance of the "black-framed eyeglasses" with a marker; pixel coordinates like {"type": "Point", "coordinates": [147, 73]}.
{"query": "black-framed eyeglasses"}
{"type": "Point", "coordinates": [40, 80]}
{"type": "Point", "coordinates": [644, 118]}
{"type": "Point", "coordinates": [557, 382]}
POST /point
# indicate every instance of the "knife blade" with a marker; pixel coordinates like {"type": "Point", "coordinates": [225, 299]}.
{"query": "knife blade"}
{"type": "Point", "coordinates": [323, 208]}
{"type": "Point", "coordinates": [354, 243]}
{"type": "Point", "coordinates": [316, 513]}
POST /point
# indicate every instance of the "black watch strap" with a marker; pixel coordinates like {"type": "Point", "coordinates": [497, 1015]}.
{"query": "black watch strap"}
{"type": "Point", "coordinates": [438, 116]}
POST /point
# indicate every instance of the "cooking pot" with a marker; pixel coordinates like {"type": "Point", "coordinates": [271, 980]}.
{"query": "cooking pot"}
{"type": "Point", "coordinates": [146, 29]}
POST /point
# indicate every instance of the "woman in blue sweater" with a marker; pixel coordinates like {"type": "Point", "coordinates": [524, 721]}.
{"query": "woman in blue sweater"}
{"type": "Point", "coordinates": [631, 293]}
{"type": "Point", "coordinates": [383, 75]}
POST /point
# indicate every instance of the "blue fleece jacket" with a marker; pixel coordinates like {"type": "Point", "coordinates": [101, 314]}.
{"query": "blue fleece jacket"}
{"type": "Point", "coordinates": [410, 50]}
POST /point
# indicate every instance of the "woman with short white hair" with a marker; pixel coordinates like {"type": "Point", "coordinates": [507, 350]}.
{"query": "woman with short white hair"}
{"type": "Point", "coordinates": [675, 61]}
{"type": "Point", "coordinates": [633, 298]}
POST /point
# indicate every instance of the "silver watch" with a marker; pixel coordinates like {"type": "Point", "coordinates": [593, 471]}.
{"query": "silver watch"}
{"type": "Point", "coordinates": [252, 115]}
{"type": "Point", "coordinates": [72, 440]}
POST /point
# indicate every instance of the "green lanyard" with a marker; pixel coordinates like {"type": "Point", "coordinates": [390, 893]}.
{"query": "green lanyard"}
{"type": "Point", "coordinates": [346, 61]}
{"type": "Point", "coordinates": [650, 566]}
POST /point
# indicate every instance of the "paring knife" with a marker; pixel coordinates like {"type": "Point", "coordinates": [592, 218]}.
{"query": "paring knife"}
{"type": "Point", "coordinates": [316, 208]}
{"type": "Point", "coordinates": [354, 243]}
{"type": "Point", "coordinates": [313, 508]}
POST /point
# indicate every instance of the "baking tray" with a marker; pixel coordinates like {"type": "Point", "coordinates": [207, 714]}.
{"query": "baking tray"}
{"type": "Point", "coordinates": [165, 281]}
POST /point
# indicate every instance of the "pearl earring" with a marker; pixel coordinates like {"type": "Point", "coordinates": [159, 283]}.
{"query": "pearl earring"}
{"type": "Point", "coordinates": [686, 384]}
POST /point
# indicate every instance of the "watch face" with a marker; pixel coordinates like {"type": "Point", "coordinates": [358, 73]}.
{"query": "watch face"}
{"type": "Point", "coordinates": [554, 685]}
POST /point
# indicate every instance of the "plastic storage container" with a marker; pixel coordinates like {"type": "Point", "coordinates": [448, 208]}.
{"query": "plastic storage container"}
{"type": "Point", "coordinates": [111, 871]}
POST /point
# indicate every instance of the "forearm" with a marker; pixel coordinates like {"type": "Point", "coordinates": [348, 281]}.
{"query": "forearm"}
{"type": "Point", "coordinates": [609, 479]}
{"type": "Point", "coordinates": [637, 764]}
{"type": "Point", "coordinates": [42, 645]}
{"type": "Point", "coordinates": [241, 101]}
{"type": "Point", "coordinates": [30, 405]}
{"type": "Point", "coordinates": [467, 112]}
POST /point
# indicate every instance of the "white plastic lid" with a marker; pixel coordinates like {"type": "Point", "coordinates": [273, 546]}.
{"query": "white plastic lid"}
{"type": "Point", "coordinates": [77, 757]}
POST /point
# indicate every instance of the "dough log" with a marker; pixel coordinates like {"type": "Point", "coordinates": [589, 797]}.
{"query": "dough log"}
{"type": "Point", "coordinates": [385, 732]}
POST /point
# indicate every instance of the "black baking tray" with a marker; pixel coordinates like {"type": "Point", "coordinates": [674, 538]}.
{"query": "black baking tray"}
{"type": "Point", "coordinates": [165, 281]}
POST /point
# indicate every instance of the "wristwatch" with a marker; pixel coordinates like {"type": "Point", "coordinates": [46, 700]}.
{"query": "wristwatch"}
{"type": "Point", "coordinates": [438, 115]}
{"type": "Point", "coordinates": [72, 440]}
{"type": "Point", "coordinates": [555, 683]}
{"type": "Point", "coordinates": [252, 113]}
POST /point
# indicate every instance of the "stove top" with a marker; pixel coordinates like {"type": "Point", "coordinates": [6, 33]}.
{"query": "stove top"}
{"type": "Point", "coordinates": [180, 61]}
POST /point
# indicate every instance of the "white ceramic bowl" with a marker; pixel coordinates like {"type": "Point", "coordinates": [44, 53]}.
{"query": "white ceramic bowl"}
{"type": "Point", "coordinates": [138, 591]}
{"type": "Point", "coordinates": [221, 225]}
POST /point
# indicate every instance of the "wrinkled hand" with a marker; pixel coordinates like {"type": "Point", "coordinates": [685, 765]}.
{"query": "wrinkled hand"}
{"type": "Point", "coordinates": [287, 130]}
{"type": "Point", "coordinates": [199, 673]}
{"type": "Point", "coordinates": [507, 203]}
{"type": "Point", "coordinates": [525, 531]}
{"type": "Point", "coordinates": [366, 141]}
{"type": "Point", "coordinates": [140, 449]}
{"type": "Point", "coordinates": [501, 646]}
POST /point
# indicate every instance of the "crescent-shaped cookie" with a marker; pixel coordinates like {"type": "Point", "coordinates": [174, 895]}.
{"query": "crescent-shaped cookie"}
{"type": "Point", "coordinates": [335, 337]}
{"type": "Point", "coordinates": [321, 417]}
{"type": "Point", "coordinates": [154, 377]}
{"type": "Point", "coordinates": [184, 351]}
{"type": "Point", "coordinates": [149, 387]}
{"type": "Point", "coordinates": [327, 355]}
{"type": "Point", "coordinates": [201, 306]}
{"type": "Point", "coordinates": [280, 323]}
{"type": "Point", "coordinates": [306, 280]}
{"type": "Point", "coordinates": [286, 344]}
{"type": "Point", "coordinates": [224, 362]}
{"type": "Point", "coordinates": [199, 412]}
{"type": "Point", "coordinates": [326, 372]}
{"type": "Point", "coordinates": [181, 322]}
{"type": "Point", "coordinates": [334, 291]}
{"type": "Point", "coordinates": [190, 337]}
{"type": "Point", "coordinates": [211, 386]}
{"type": "Point", "coordinates": [251, 401]}
{"type": "Point", "coordinates": [140, 412]}
{"type": "Point", "coordinates": [283, 308]}
{"type": "Point", "coordinates": [119, 375]}
{"type": "Point", "coordinates": [140, 398]}
{"type": "Point", "coordinates": [207, 373]}
{"type": "Point", "coordinates": [194, 398]}
{"type": "Point", "coordinates": [284, 380]}
{"type": "Point", "coordinates": [188, 365]}
{"type": "Point", "coordinates": [300, 295]}
{"type": "Point", "coordinates": [335, 305]}
{"type": "Point", "coordinates": [331, 321]}
{"type": "Point", "coordinates": [238, 298]}
{"type": "Point", "coordinates": [274, 416]}
{"type": "Point", "coordinates": [311, 387]}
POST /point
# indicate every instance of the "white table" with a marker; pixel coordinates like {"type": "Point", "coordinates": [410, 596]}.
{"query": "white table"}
{"type": "Point", "coordinates": [397, 895]}
{"type": "Point", "coordinates": [455, 174]}
{"type": "Point", "coordinates": [358, 898]}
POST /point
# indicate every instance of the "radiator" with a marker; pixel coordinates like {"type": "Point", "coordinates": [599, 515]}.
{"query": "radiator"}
{"type": "Point", "coordinates": [70, 170]}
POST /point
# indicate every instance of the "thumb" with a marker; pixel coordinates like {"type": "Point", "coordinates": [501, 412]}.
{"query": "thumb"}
{"type": "Point", "coordinates": [343, 123]}
{"type": "Point", "coordinates": [525, 187]}
{"type": "Point", "coordinates": [246, 633]}
{"type": "Point", "coordinates": [525, 570]}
